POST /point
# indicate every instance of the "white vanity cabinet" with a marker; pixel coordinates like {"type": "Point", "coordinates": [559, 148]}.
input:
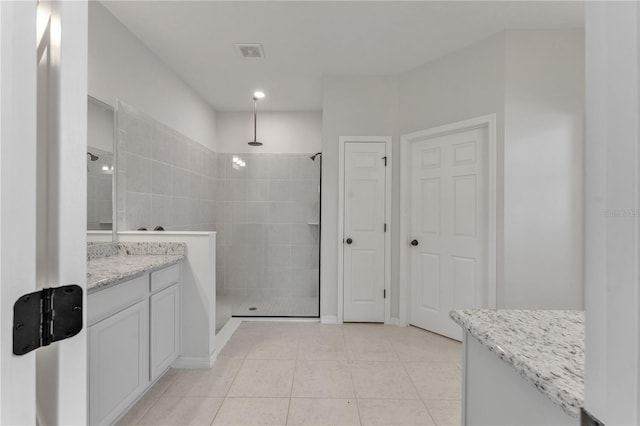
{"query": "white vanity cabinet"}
{"type": "Point", "coordinates": [165, 319]}
{"type": "Point", "coordinates": [134, 336]}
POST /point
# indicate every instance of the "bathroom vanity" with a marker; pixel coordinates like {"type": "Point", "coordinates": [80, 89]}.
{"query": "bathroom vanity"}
{"type": "Point", "coordinates": [522, 367]}
{"type": "Point", "coordinates": [133, 319]}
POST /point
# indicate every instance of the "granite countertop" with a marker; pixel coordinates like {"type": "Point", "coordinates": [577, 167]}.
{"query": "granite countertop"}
{"type": "Point", "coordinates": [545, 347]}
{"type": "Point", "coordinates": [108, 264]}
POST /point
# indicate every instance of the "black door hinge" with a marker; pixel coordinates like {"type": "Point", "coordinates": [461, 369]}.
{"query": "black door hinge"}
{"type": "Point", "coordinates": [384, 293]}
{"type": "Point", "coordinates": [385, 227]}
{"type": "Point", "coordinates": [385, 160]}
{"type": "Point", "coordinates": [46, 316]}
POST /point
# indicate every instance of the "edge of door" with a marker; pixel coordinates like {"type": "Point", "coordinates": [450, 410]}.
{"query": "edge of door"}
{"type": "Point", "coordinates": [343, 140]}
{"type": "Point", "coordinates": [488, 121]}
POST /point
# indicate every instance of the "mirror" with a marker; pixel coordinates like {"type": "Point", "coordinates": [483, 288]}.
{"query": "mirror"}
{"type": "Point", "coordinates": [100, 171]}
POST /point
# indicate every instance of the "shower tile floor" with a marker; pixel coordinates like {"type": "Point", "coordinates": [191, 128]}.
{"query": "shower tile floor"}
{"type": "Point", "coordinates": [312, 374]}
{"type": "Point", "coordinates": [228, 305]}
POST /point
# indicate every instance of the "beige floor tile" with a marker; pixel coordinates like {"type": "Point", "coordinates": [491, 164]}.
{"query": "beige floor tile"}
{"type": "Point", "coordinates": [237, 347]}
{"type": "Point", "coordinates": [213, 382]}
{"type": "Point", "coordinates": [322, 379]}
{"type": "Point", "coordinates": [444, 349]}
{"type": "Point", "coordinates": [170, 410]}
{"type": "Point", "coordinates": [322, 347]}
{"type": "Point", "coordinates": [263, 378]}
{"type": "Point", "coordinates": [272, 328]}
{"type": "Point", "coordinates": [252, 411]}
{"type": "Point", "coordinates": [393, 412]}
{"type": "Point", "coordinates": [363, 347]}
{"type": "Point", "coordinates": [275, 348]}
{"type": "Point", "coordinates": [415, 349]}
{"type": "Point", "coordinates": [436, 380]}
{"type": "Point", "coordinates": [314, 411]}
{"type": "Point", "coordinates": [135, 413]}
{"type": "Point", "coordinates": [387, 380]}
{"type": "Point", "coordinates": [445, 412]}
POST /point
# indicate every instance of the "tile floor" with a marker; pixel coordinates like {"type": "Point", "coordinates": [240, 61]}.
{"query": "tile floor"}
{"type": "Point", "coordinates": [277, 373]}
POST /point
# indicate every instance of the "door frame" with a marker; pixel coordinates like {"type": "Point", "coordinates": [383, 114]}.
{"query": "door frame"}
{"type": "Point", "coordinates": [488, 121]}
{"type": "Point", "coordinates": [343, 140]}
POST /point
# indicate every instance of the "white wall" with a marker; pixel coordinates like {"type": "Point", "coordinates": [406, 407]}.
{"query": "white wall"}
{"type": "Point", "coordinates": [534, 82]}
{"type": "Point", "coordinates": [121, 67]}
{"type": "Point", "coordinates": [290, 132]}
{"type": "Point", "coordinates": [612, 358]}
{"type": "Point", "coordinates": [351, 106]}
{"type": "Point", "coordinates": [465, 84]}
{"type": "Point", "coordinates": [543, 170]}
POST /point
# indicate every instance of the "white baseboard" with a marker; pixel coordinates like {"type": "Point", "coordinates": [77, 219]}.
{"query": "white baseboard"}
{"type": "Point", "coordinates": [195, 362]}
{"type": "Point", "coordinates": [329, 319]}
{"type": "Point", "coordinates": [396, 322]}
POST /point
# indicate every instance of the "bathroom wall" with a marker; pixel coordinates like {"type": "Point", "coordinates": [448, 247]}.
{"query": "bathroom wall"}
{"type": "Point", "coordinates": [121, 67]}
{"type": "Point", "coordinates": [282, 132]}
{"type": "Point", "coordinates": [534, 82]}
{"type": "Point", "coordinates": [163, 177]}
{"type": "Point", "coordinates": [267, 208]}
{"type": "Point", "coordinates": [352, 106]}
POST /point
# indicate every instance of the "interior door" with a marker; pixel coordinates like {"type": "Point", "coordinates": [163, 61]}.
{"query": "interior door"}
{"type": "Point", "coordinates": [364, 227]}
{"type": "Point", "coordinates": [43, 105]}
{"type": "Point", "coordinates": [17, 201]}
{"type": "Point", "coordinates": [448, 234]}
{"type": "Point", "coordinates": [61, 179]}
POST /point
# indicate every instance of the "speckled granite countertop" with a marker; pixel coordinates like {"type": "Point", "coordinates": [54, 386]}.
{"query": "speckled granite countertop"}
{"type": "Point", "coordinates": [545, 347]}
{"type": "Point", "coordinates": [108, 264]}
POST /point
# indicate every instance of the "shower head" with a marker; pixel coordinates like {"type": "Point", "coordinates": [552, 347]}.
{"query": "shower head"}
{"type": "Point", "coordinates": [313, 157]}
{"type": "Point", "coordinates": [92, 157]}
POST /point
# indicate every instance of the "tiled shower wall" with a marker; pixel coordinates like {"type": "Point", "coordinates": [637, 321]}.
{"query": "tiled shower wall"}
{"type": "Point", "coordinates": [267, 221]}
{"type": "Point", "coordinates": [264, 207]}
{"type": "Point", "coordinates": [163, 177]}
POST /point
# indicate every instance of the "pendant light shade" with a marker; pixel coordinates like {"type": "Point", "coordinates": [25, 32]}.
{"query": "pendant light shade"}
{"type": "Point", "coordinates": [256, 97]}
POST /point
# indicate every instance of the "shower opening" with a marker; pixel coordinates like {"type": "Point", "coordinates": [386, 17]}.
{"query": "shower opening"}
{"type": "Point", "coordinates": [268, 233]}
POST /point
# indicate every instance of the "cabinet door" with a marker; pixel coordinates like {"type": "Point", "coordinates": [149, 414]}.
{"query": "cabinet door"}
{"type": "Point", "coordinates": [119, 362]}
{"type": "Point", "coordinates": [165, 329]}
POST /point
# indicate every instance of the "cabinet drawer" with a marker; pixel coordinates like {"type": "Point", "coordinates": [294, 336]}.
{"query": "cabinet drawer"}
{"type": "Point", "coordinates": [106, 302]}
{"type": "Point", "coordinates": [165, 277]}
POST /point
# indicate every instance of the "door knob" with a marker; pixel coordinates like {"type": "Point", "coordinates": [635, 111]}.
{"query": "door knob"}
{"type": "Point", "coordinates": [414, 243]}
{"type": "Point", "coordinates": [349, 241]}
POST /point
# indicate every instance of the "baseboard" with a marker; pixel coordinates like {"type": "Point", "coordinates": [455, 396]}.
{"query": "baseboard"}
{"type": "Point", "coordinates": [277, 319]}
{"type": "Point", "coordinates": [195, 362]}
{"type": "Point", "coordinates": [396, 322]}
{"type": "Point", "coordinates": [329, 319]}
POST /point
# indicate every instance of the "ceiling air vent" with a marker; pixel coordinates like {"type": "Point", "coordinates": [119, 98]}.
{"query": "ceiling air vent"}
{"type": "Point", "coordinates": [250, 50]}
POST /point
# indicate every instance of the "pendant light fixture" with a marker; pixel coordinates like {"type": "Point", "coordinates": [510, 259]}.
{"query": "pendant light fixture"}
{"type": "Point", "coordinates": [256, 97]}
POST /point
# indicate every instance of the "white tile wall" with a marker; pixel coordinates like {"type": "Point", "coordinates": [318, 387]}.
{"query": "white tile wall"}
{"type": "Point", "coordinates": [260, 205]}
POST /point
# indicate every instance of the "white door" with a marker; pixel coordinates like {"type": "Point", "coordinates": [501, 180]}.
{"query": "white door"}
{"type": "Point", "coordinates": [364, 229]}
{"type": "Point", "coordinates": [43, 103]}
{"type": "Point", "coordinates": [448, 229]}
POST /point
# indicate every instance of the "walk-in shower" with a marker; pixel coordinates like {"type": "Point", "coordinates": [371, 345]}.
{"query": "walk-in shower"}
{"type": "Point", "coordinates": [268, 235]}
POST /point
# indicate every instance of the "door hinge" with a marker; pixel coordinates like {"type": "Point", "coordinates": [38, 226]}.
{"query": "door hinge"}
{"type": "Point", "coordinates": [385, 160]}
{"type": "Point", "coordinates": [385, 227]}
{"type": "Point", "coordinates": [46, 316]}
{"type": "Point", "coordinates": [384, 293]}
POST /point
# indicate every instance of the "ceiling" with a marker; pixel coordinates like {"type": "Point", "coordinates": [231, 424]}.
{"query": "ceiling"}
{"type": "Point", "coordinates": [306, 40]}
